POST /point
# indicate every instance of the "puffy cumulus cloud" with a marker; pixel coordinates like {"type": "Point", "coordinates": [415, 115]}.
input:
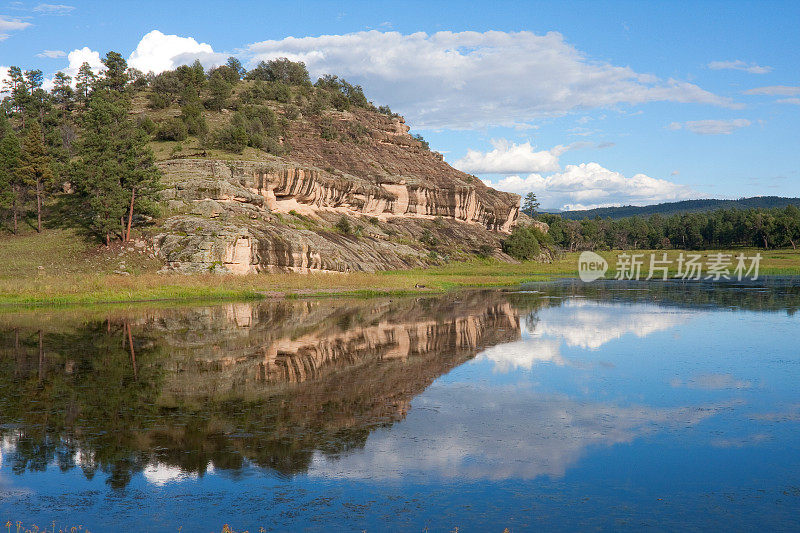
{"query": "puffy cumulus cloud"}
{"type": "Point", "coordinates": [51, 54]}
{"type": "Point", "coordinates": [774, 90]}
{"type": "Point", "coordinates": [711, 127]}
{"type": "Point", "coordinates": [590, 185]}
{"type": "Point", "coordinates": [158, 52]}
{"type": "Point", "coordinates": [590, 325]}
{"type": "Point", "coordinates": [3, 78]}
{"type": "Point", "coordinates": [738, 64]}
{"type": "Point", "coordinates": [472, 79]}
{"type": "Point", "coordinates": [579, 324]}
{"type": "Point", "coordinates": [161, 474]}
{"type": "Point", "coordinates": [79, 56]}
{"type": "Point", "coordinates": [510, 158]}
{"type": "Point", "coordinates": [524, 354]}
{"type": "Point", "coordinates": [500, 432]}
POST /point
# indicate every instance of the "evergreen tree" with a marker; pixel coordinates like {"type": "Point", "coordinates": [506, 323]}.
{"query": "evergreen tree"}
{"type": "Point", "coordinates": [34, 168]}
{"type": "Point", "coordinates": [530, 204]}
{"type": "Point", "coordinates": [85, 80]}
{"type": "Point", "coordinates": [62, 91]}
{"type": "Point", "coordinates": [235, 65]}
{"type": "Point", "coordinates": [20, 94]}
{"type": "Point", "coordinates": [10, 186]}
{"type": "Point", "coordinates": [115, 171]}
{"type": "Point", "coordinates": [116, 74]}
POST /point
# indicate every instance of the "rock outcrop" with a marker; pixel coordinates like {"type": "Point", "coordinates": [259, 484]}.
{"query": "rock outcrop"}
{"type": "Point", "coordinates": [403, 206]}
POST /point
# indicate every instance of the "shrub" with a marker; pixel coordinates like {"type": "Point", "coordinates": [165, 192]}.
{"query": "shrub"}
{"type": "Point", "coordinates": [419, 138]}
{"type": "Point", "coordinates": [172, 130]}
{"type": "Point", "coordinates": [523, 243]}
{"type": "Point", "coordinates": [328, 131]}
{"type": "Point", "coordinates": [292, 112]}
{"type": "Point", "coordinates": [147, 124]}
{"type": "Point", "coordinates": [344, 226]}
{"type": "Point", "coordinates": [232, 138]}
{"type": "Point", "coordinates": [427, 238]}
{"type": "Point", "coordinates": [485, 250]}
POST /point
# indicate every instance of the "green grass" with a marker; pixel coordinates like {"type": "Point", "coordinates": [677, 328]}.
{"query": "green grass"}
{"type": "Point", "coordinates": [76, 272]}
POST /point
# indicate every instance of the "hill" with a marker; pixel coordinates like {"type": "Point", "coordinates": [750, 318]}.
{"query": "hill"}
{"type": "Point", "coordinates": [283, 175]}
{"type": "Point", "coordinates": [685, 206]}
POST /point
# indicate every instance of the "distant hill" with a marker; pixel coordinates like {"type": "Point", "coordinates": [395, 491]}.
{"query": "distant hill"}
{"type": "Point", "coordinates": [686, 206]}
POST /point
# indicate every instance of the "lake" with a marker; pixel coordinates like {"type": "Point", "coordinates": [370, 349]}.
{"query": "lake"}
{"type": "Point", "coordinates": [556, 406]}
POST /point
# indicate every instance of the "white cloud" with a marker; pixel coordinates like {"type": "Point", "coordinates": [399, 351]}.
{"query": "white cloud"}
{"type": "Point", "coordinates": [472, 79]}
{"type": "Point", "coordinates": [3, 78]}
{"type": "Point", "coordinates": [795, 101]}
{"type": "Point", "coordinates": [11, 24]}
{"type": "Point", "coordinates": [738, 64]}
{"type": "Point", "coordinates": [711, 127]}
{"type": "Point", "coordinates": [53, 9]}
{"type": "Point", "coordinates": [510, 158]}
{"type": "Point", "coordinates": [582, 324]}
{"type": "Point", "coordinates": [51, 54]}
{"type": "Point", "coordinates": [494, 432]}
{"type": "Point", "coordinates": [774, 90]}
{"type": "Point", "coordinates": [158, 52]}
{"type": "Point", "coordinates": [590, 185]}
{"type": "Point", "coordinates": [79, 56]}
{"type": "Point", "coordinates": [161, 474]}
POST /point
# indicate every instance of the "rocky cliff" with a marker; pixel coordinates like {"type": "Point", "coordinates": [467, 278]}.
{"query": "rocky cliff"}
{"type": "Point", "coordinates": [337, 200]}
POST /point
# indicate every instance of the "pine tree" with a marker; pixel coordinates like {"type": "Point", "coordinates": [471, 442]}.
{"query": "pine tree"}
{"type": "Point", "coordinates": [116, 75]}
{"type": "Point", "coordinates": [530, 204]}
{"type": "Point", "coordinates": [115, 171]}
{"type": "Point", "coordinates": [62, 91]}
{"type": "Point", "coordinates": [10, 187]}
{"type": "Point", "coordinates": [34, 168]}
{"type": "Point", "coordinates": [84, 81]}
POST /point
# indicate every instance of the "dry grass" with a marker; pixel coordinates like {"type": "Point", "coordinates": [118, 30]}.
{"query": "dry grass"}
{"type": "Point", "coordinates": [76, 272]}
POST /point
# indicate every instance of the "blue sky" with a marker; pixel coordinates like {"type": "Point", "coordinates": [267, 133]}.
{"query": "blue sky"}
{"type": "Point", "coordinates": [584, 103]}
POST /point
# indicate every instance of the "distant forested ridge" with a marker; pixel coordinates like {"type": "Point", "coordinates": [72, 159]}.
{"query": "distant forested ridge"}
{"type": "Point", "coordinates": [686, 206]}
{"type": "Point", "coordinates": [721, 228]}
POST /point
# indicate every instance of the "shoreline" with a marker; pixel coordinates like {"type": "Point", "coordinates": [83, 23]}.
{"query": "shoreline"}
{"type": "Point", "coordinates": [76, 288]}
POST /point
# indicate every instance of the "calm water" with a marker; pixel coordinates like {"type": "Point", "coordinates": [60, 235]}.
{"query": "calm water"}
{"type": "Point", "coordinates": [559, 407]}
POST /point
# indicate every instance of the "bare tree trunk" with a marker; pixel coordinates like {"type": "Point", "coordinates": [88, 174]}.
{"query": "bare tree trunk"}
{"type": "Point", "coordinates": [39, 205]}
{"type": "Point", "coordinates": [14, 209]}
{"type": "Point", "coordinates": [130, 215]}
{"type": "Point", "coordinates": [108, 240]}
{"type": "Point", "coordinates": [41, 356]}
{"type": "Point", "coordinates": [133, 354]}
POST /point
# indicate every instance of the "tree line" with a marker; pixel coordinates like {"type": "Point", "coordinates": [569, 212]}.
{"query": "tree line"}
{"type": "Point", "coordinates": [82, 146]}
{"type": "Point", "coordinates": [722, 228]}
{"type": "Point", "coordinates": [78, 144]}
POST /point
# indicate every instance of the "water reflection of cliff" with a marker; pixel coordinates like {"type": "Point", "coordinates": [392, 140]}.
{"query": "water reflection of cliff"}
{"type": "Point", "coordinates": [287, 385]}
{"type": "Point", "coordinates": [244, 347]}
{"type": "Point", "coordinates": [265, 383]}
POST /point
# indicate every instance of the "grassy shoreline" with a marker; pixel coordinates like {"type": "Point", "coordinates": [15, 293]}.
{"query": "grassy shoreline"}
{"type": "Point", "coordinates": [68, 286]}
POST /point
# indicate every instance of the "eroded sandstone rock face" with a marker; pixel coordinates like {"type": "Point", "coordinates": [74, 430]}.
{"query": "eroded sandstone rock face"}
{"type": "Point", "coordinates": [281, 187]}
{"type": "Point", "coordinates": [402, 205]}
